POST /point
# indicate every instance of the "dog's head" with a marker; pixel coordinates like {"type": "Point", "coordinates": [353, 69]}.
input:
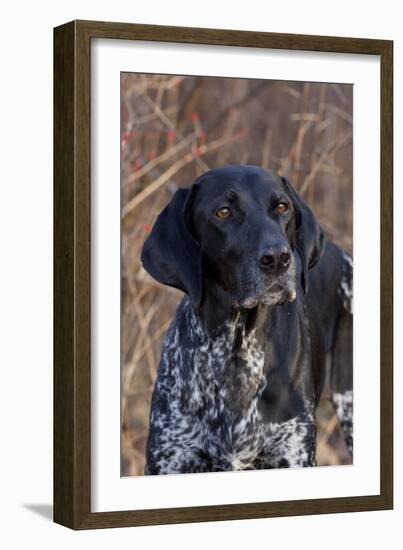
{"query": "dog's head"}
{"type": "Point", "coordinates": [238, 226]}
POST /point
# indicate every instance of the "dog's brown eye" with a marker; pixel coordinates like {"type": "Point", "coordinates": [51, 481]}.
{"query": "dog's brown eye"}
{"type": "Point", "coordinates": [281, 208]}
{"type": "Point", "coordinates": [223, 213]}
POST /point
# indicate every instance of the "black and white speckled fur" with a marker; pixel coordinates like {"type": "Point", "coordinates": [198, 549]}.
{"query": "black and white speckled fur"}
{"type": "Point", "coordinates": [343, 403]}
{"type": "Point", "coordinates": [207, 412]}
{"type": "Point", "coordinates": [249, 351]}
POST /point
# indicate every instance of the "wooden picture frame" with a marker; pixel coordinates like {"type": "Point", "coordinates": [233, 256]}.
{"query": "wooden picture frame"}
{"type": "Point", "coordinates": [72, 271]}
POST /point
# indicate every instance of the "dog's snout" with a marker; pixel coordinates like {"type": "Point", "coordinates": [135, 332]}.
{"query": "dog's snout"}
{"type": "Point", "coordinates": [275, 259]}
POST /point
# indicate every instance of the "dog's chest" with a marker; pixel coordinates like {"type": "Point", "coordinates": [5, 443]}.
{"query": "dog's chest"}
{"type": "Point", "coordinates": [225, 389]}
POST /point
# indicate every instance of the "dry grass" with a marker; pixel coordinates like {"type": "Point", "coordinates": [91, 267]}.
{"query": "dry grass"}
{"type": "Point", "coordinates": [173, 129]}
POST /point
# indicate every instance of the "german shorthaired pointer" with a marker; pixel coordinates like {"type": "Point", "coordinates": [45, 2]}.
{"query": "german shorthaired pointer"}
{"type": "Point", "coordinates": [264, 326]}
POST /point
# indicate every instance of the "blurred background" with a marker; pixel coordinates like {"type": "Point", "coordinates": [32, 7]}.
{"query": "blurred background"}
{"type": "Point", "coordinates": [174, 128]}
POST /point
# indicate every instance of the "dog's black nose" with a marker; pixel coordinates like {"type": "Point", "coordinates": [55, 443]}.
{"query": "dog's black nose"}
{"type": "Point", "coordinates": [275, 259]}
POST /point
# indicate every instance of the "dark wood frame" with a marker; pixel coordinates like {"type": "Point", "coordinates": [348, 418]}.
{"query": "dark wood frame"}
{"type": "Point", "coordinates": [72, 291]}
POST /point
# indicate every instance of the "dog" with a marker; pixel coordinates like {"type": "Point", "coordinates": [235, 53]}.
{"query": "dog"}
{"type": "Point", "coordinates": [264, 327]}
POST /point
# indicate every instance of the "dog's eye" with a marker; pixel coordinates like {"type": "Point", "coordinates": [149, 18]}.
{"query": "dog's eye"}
{"type": "Point", "coordinates": [281, 208]}
{"type": "Point", "coordinates": [223, 213]}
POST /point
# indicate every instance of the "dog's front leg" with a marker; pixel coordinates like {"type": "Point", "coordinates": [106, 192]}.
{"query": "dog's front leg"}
{"type": "Point", "coordinates": [176, 446]}
{"type": "Point", "coordinates": [176, 460]}
{"type": "Point", "coordinates": [290, 444]}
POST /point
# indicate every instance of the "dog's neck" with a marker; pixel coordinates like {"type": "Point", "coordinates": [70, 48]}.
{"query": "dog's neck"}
{"type": "Point", "coordinates": [232, 343]}
{"type": "Point", "coordinates": [218, 313]}
{"type": "Point", "coordinates": [241, 349]}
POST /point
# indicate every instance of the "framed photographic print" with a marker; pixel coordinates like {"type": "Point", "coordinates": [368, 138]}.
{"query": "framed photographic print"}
{"type": "Point", "coordinates": [222, 274]}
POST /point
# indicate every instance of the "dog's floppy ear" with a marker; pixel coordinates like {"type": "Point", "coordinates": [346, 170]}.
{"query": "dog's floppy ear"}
{"type": "Point", "coordinates": [309, 237]}
{"type": "Point", "coordinates": [171, 254]}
